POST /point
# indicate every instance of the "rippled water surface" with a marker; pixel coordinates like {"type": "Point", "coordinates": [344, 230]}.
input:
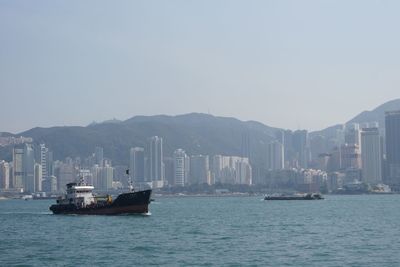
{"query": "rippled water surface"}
{"type": "Point", "coordinates": [208, 231]}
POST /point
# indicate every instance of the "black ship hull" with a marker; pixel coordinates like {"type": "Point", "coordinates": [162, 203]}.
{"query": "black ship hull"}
{"type": "Point", "coordinates": [127, 203]}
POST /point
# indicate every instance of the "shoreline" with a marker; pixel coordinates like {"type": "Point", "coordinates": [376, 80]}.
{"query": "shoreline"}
{"type": "Point", "coordinates": [262, 195]}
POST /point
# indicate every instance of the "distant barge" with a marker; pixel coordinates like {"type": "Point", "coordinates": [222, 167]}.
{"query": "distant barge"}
{"type": "Point", "coordinates": [314, 196]}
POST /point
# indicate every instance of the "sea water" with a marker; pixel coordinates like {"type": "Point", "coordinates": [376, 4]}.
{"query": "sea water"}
{"type": "Point", "coordinates": [208, 231]}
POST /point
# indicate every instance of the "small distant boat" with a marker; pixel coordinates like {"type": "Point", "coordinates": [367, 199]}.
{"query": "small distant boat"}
{"type": "Point", "coordinates": [309, 196]}
{"type": "Point", "coordinates": [27, 197]}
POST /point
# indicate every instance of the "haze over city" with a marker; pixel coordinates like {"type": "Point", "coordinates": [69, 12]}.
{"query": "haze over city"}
{"type": "Point", "coordinates": [287, 64]}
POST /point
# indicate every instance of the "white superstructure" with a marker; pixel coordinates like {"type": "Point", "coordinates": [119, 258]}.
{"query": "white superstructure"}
{"type": "Point", "coordinates": [79, 194]}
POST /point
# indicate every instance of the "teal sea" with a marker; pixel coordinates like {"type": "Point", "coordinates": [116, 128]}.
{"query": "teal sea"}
{"type": "Point", "coordinates": [208, 231]}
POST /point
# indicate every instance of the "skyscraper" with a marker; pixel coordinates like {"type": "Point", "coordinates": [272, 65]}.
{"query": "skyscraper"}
{"type": "Point", "coordinates": [96, 175]}
{"type": "Point", "coordinates": [49, 163]}
{"type": "Point", "coordinates": [155, 164]}
{"type": "Point", "coordinates": [216, 166]}
{"type": "Point", "coordinates": [66, 174]}
{"type": "Point", "coordinates": [318, 146]}
{"type": "Point", "coordinates": [107, 174]}
{"type": "Point", "coordinates": [350, 157]}
{"type": "Point", "coordinates": [169, 176]}
{"type": "Point", "coordinates": [199, 170]}
{"type": "Point", "coordinates": [136, 164]}
{"type": "Point", "coordinates": [29, 168]}
{"type": "Point", "coordinates": [180, 167]}
{"type": "Point", "coordinates": [18, 168]}
{"type": "Point", "coordinates": [243, 171]}
{"type": "Point", "coordinates": [38, 177]}
{"type": "Point", "coordinates": [99, 156]}
{"type": "Point", "coordinates": [43, 160]}
{"type": "Point", "coordinates": [392, 132]}
{"type": "Point", "coordinates": [230, 170]}
{"type": "Point", "coordinates": [288, 147]}
{"type": "Point", "coordinates": [371, 156]}
{"type": "Point", "coordinates": [246, 145]}
{"type": "Point", "coordinates": [4, 175]}
{"type": "Point", "coordinates": [50, 184]}
{"type": "Point", "coordinates": [275, 156]}
{"type": "Point", "coordinates": [352, 134]}
{"type": "Point", "coordinates": [301, 148]}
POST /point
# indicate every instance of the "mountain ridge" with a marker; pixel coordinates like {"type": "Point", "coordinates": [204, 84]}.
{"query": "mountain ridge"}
{"type": "Point", "coordinates": [368, 116]}
{"type": "Point", "coordinates": [197, 133]}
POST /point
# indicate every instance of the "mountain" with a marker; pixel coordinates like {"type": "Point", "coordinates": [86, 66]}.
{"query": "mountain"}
{"type": "Point", "coordinates": [375, 115]}
{"type": "Point", "coordinates": [378, 114]}
{"type": "Point", "coordinates": [6, 134]}
{"type": "Point", "coordinates": [195, 133]}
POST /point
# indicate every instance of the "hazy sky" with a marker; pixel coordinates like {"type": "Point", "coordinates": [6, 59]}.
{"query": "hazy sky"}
{"type": "Point", "coordinates": [290, 64]}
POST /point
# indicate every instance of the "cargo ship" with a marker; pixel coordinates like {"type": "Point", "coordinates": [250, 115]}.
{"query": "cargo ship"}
{"type": "Point", "coordinates": [80, 199]}
{"type": "Point", "coordinates": [309, 196]}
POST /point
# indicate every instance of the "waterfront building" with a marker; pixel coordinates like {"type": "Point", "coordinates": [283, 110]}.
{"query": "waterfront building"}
{"type": "Point", "coordinates": [181, 167]}
{"type": "Point", "coordinates": [289, 154]}
{"type": "Point", "coordinates": [38, 177]}
{"type": "Point", "coordinates": [371, 156]}
{"type": "Point", "coordinates": [352, 176]}
{"type": "Point", "coordinates": [323, 160]}
{"type": "Point", "coordinates": [137, 164]}
{"type": "Point", "coordinates": [199, 170]}
{"type": "Point", "coordinates": [218, 163]}
{"type": "Point", "coordinates": [120, 177]}
{"type": "Point", "coordinates": [66, 173]}
{"type": "Point", "coordinates": [353, 134]}
{"type": "Point", "coordinates": [4, 175]}
{"type": "Point", "coordinates": [334, 161]}
{"type": "Point", "coordinates": [350, 157]}
{"type": "Point", "coordinates": [43, 160]}
{"type": "Point", "coordinates": [169, 175]}
{"type": "Point", "coordinates": [50, 184]}
{"type": "Point", "coordinates": [335, 181]}
{"type": "Point", "coordinates": [106, 180]}
{"type": "Point", "coordinates": [275, 157]}
{"type": "Point", "coordinates": [246, 145]}
{"type": "Point", "coordinates": [29, 169]}
{"type": "Point", "coordinates": [99, 156]}
{"type": "Point", "coordinates": [244, 171]}
{"type": "Point", "coordinates": [18, 168]}
{"type": "Point", "coordinates": [96, 175]}
{"type": "Point", "coordinates": [231, 170]}
{"type": "Point", "coordinates": [155, 164]}
{"type": "Point", "coordinates": [301, 148]}
{"type": "Point", "coordinates": [392, 132]}
{"type": "Point", "coordinates": [86, 174]}
{"type": "Point", "coordinates": [318, 146]}
{"type": "Point", "coordinates": [340, 136]}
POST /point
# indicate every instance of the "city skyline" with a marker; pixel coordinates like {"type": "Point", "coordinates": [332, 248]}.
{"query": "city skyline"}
{"type": "Point", "coordinates": [89, 60]}
{"type": "Point", "coordinates": [147, 167]}
{"type": "Point", "coordinates": [351, 160]}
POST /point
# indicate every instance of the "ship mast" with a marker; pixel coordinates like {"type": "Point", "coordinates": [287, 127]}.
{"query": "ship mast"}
{"type": "Point", "coordinates": [81, 179]}
{"type": "Point", "coordinates": [131, 189]}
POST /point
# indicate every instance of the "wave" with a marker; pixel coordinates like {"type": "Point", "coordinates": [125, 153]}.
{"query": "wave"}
{"type": "Point", "coordinates": [26, 212]}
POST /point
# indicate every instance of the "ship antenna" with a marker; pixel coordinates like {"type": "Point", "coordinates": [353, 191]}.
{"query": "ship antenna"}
{"type": "Point", "coordinates": [81, 179]}
{"type": "Point", "coordinates": [131, 189]}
